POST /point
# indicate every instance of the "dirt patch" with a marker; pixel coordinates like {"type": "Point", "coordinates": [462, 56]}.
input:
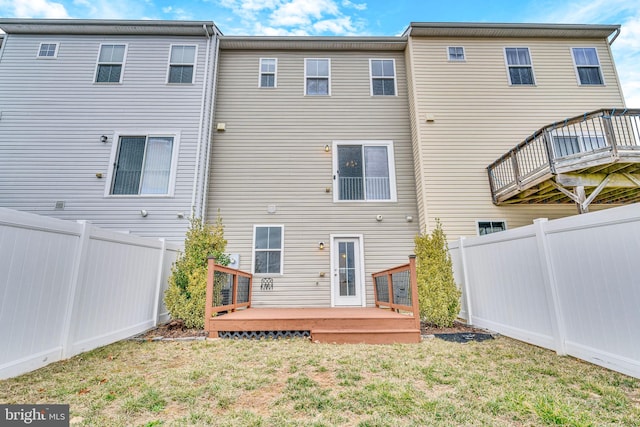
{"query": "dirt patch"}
{"type": "Point", "coordinates": [457, 328]}
{"type": "Point", "coordinates": [174, 329]}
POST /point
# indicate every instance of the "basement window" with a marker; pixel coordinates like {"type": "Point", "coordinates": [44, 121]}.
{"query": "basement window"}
{"type": "Point", "coordinates": [488, 227]}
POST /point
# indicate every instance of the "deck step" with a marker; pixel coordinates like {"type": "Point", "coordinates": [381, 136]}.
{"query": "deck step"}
{"type": "Point", "coordinates": [366, 336]}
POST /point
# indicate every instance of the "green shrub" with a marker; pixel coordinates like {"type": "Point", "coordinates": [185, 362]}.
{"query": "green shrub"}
{"type": "Point", "coordinates": [186, 295]}
{"type": "Point", "coordinates": [438, 294]}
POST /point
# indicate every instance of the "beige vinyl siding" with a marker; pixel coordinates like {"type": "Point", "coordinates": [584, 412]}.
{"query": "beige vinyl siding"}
{"type": "Point", "coordinates": [53, 115]}
{"type": "Point", "coordinates": [479, 117]}
{"type": "Point", "coordinates": [272, 153]}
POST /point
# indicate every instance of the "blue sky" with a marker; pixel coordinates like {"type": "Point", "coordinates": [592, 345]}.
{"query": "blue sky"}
{"type": "Point", "coordinates": [360, 17]}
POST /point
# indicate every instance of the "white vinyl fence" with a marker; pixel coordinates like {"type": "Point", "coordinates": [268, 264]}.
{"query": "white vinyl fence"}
{"type": "Point", "coordinates": [571, 285]}
{"type": "Point", "coordinates": [68, 287]}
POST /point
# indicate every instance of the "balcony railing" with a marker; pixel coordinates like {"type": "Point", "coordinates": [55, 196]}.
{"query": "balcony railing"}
{"type": "Point", "coordinates": [397, 289]}
{"type": "Point", "coordinates": [227, 289]}
{"type": "Point", "coordinates": [355, 188]}
{"type": "Point", "coordinates": [599, 137]}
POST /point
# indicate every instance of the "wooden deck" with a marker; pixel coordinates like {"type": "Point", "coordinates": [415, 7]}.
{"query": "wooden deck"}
{"type": "Point", "coordinates": [589, 159]}
{"type": "Point", "coordinates": [326, 325]}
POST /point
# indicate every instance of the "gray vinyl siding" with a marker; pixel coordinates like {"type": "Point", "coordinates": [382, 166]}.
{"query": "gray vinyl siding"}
{"type": "Point", "coordinates": [272, 153]}
{"type": "Point", "coordinates": [479, 117]}
{"type": "Point", "coordinates": [53, 115]}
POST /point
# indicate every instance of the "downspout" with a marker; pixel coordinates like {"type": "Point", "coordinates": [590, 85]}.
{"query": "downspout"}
{"type": "Point", "coordinates": [196, 177]}
{"type": "Point", "coordinates": [615, 36]}
{"type": "Point", "coordinates": [214, 88]}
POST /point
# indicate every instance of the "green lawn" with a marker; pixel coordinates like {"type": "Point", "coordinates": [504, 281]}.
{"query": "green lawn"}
{"type": "Point", "coordinates": [297, 383]}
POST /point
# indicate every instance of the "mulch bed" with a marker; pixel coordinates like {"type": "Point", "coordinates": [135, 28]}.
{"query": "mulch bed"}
{"type": "Point", "coordinates": [459, 332]}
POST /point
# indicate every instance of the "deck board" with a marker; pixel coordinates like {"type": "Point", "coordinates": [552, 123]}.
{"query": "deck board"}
{"type": "Point", "coordinates": [340, 325]}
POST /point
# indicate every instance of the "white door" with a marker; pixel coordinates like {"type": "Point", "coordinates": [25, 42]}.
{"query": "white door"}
{"type": "Point", "coordinates": [347, 272]}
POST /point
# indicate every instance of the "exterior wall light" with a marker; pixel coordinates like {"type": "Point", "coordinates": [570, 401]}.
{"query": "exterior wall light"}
{"type": "Point", "coordinates": [143, 213]}
{"type": "Point", "coordinates": [104, 139]}
{"type": "Point", "coordinates": [321, 245]}
{"type": "Point", "coordinates": [327, 148]}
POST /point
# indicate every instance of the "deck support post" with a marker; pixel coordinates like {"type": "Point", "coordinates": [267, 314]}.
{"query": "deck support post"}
{"type": "Point", "coordinates": [582, 197]}
{"type": "Point", "coordinates": [413, 280]}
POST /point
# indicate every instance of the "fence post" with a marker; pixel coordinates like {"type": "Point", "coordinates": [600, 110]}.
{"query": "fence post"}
{"type": "Point", "coordinates": [550, 287]}
{"type": "Point", "coordinates": [78, 269]}
{"type": "Point", "coordinates": [413, 281]}
{"type": "Point", "coordinates": [465, 280]}
{"type": "Point", "coordinates": [156, 310]}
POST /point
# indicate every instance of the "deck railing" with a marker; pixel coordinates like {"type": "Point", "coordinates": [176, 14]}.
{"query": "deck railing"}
{"type": "Point", "coordinates": [601, 133]}
{"type": "Point", "coordinates": [397, 289]}
{"type": "Point", "coordinates": [227, 289]}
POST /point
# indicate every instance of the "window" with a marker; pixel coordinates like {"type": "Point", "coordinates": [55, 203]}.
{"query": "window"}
{"type": "Point", "coordinates": [268, 247]}
{"type": "Point", "coordinates": [519, 66]}
{"type": "Point", "coordinates": [383, 76]}
{"type": "Point", "coordinates": [48, 50]}
{"type": "Point", "coordinates": [364, 171]}
{"type": "Point", "coordinates": [181, 64]}
{"type": "Point", "coordinates": [110, 63]}
{"type": "Point", "coordinates": [456, 53]}
{"type": "Point", "coordinates": [587, 65]}
{"type": "Point", "coordinates": [143, 165]}
{"type": "Point", "coordinates": [488, 227]}
{"type": "Point", "coordinates": [566, 144]}
{"type": "Point", "coordinates": [268, 67]}
{"type": "Point", "coordinates": [317, 76]}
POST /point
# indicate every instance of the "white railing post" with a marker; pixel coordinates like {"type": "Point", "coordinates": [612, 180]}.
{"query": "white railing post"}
{"type": "Point", "coordinates": [550, 287]}
{"type": "Point", "coordinates": [465, 279]}
{"type": "Point", "coordinates": [156, 309]}
{"type": "Point", "coordinates": [77, 272]}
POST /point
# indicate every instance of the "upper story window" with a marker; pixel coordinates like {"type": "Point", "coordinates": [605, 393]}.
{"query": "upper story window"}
{"type": "Point", "coordinates": [317, 76]}
{"type": "Point", "coordinates": [181, 64]}
{"type": "Point", "coordinates": [268, 69]}
{"type": "Point", "coordinates": [383, 76]}
{"type": "Point", "coordinates": [456, 53]}
{"type": "Point", "coordinates": [143, 165]}
{"type": "Point", "coordinates": [519, 65]}
{"type": "Point", "coordinates": [488, 227]}
{"type": "Point", "coordinates": [48, 50]}
{"type": "Point", "coordinates": [587, 65]}
{"type": "Point", "coordinates": [364, 171]}
{"type": "Point", "coordinates": [268, 248]}
{"type": "Point", "coordinates": [110, 63]}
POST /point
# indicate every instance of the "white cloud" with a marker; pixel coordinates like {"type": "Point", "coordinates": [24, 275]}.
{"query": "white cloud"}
{"type": "Point", "coordinates": [34, 9]}
{"type": "Point", "coordinates": [302, 12]}
{"type": "Point", "coordinates": [356, 6]}
{"type": "Point", "coordinates": [177, 13]}
{"type": "Point", "coordinates": [338, 26]}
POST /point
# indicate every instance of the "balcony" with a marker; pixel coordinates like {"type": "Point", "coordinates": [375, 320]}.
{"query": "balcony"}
{"type": "Point", "coordinates": [587, 159]}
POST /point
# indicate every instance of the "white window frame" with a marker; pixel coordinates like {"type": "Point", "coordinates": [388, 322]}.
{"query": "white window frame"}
{"type": "Point", "coordinates": [124, 61]}
{"type": "Point", "coordinates": [253, 251]}
{"type": "Point", "coordinates": [275, 73]}
{"type": "Point", "coordinates": [506, 63]}
{"type": "Point", "coordinates": [169, 64]}
{"type": "Point", "coordinates": [503, 221]}
{"type": "Point", "coordinates": [55, 54]}
{"type": "Point", "coordinates": [576, 66]}
{"type": "Point", "coordinates": [450, 59]}
{"type": "Point", "coordinates": [328, 76]}
{"type": "Point", "coordinates": [393, 195]}
{"type": "Point", "coordinates": [371, 76]}
{"type": "Point", "coordinates": [175, 134]}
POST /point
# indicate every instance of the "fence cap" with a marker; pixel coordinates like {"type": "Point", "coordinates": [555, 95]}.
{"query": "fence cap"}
{"type": "Point", "coordinates": [411, 256]}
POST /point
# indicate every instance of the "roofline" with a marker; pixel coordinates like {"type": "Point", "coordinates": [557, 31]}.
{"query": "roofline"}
{"type": "Point", "coordinates": [475, 29]}
{"type": "Point", "coordinates": [313, 42]}
{"type": "Point", "coordinates": [107, 26]}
